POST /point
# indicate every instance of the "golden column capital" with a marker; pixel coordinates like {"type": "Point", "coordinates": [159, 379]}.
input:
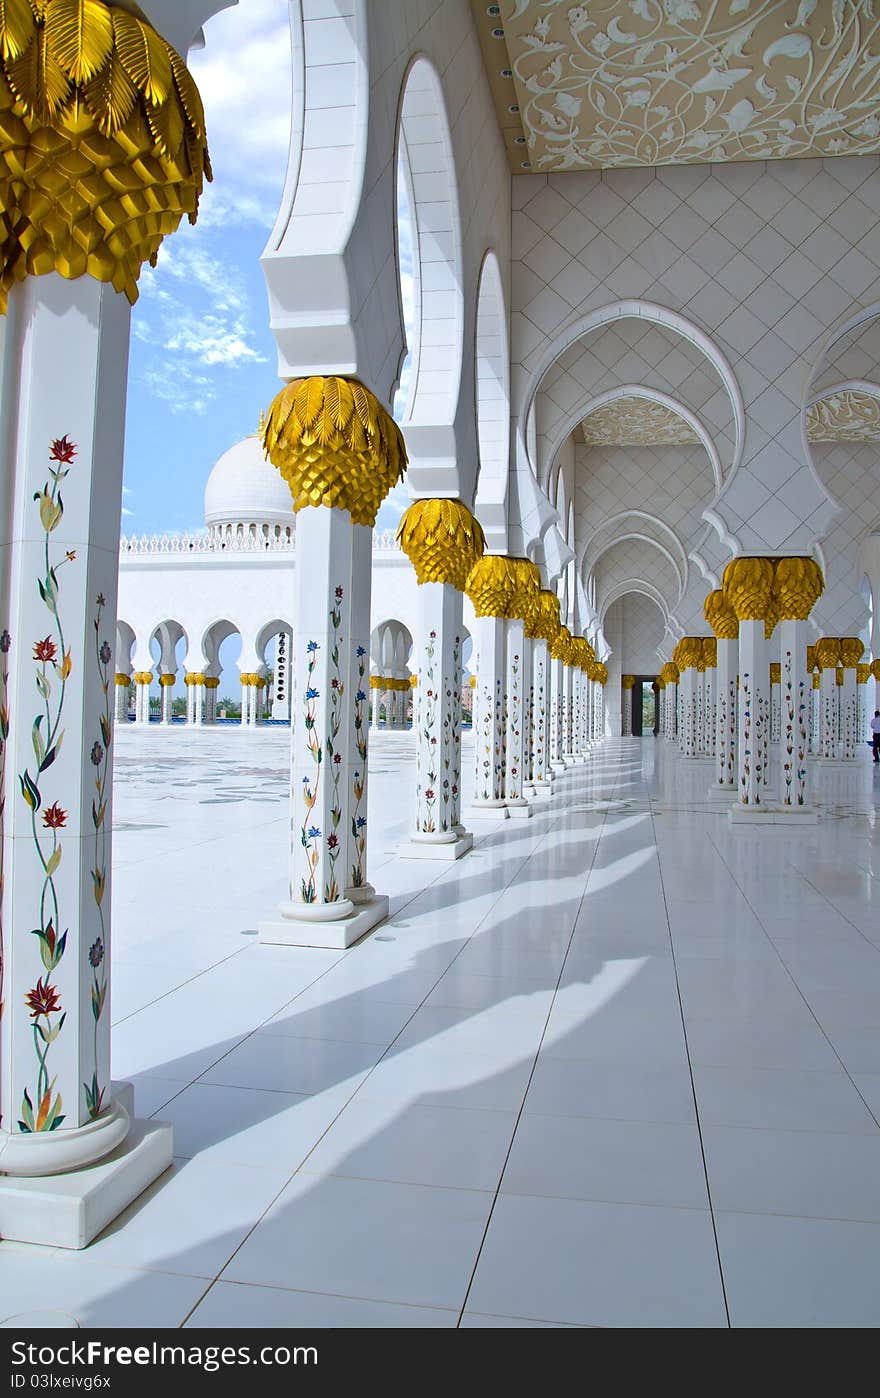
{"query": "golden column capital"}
{"type": "Point", "coordinates": [628, 681]}
{"type": "Point", "coordinates": [503, 587]}
{"type": "Point", "coordinates": [828, 652]}
{"type": "Point", "coordinates": [851, 651]}
{"type": "Point", "coordinates": [560, 646]}
{"type": "Point", "coordinates": [442, 540]}
{"type": "Point", "coordinates": [143, 677]}
{"type": "Point", "coordinates": [689, 653]}
{"type": "Point", "coordinates": [122, 679]}
{"type": "Point", "coordinates": [335, 445]}
{"type": "Point", "coordinates": [770, 619]}
{"type": "Point", "coordinates": [748, 583]}
{"type": "Point", "coordinates": [601, 672]}
{"type": "Point", "coordinates": [194, 677]}
{"type": "Point", "coordinates": [875, 669]}
{"type": "Point", "coordinates": [166, 681]}
{"type": "Point", "coordinates": [775, 672]}
{"type": "Point", "coordinates": [709, 646]}
{"type": "Point", "coordinates": [212, 682]}
{"type": "Point", "coordinates": [718, 611]}
{"type": "Point", "coordinates": [542, 622]}
{"type": "Point", "coordinates": [862, 674]}
{"type": "Point", "coordinates": [798, 586]}
{"type": "Point", "coordinates": [660, 682]}
{"type": "Point", "coordinates": [472, 682]}
{"type": "Point", "coordinates": [670, 672]}
{"type": "Point", "coordinates": [378, 682]}
{"type": "Point", "coordinates": [811, 658]}
{"type": "Point", "coordinates": [102, 139]}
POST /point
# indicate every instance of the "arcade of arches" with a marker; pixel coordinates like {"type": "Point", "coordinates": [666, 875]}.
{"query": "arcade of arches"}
{"type": "Point", "coordinates": [550, 817]}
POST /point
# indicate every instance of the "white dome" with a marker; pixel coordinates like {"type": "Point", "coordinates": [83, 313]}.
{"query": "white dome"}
{"type": "Point", "coordinates": [245, 488]}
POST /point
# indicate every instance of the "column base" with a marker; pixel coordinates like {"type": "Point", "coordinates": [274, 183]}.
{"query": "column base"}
{"type": "Point", "coordinates": [519, 811]}
{"type": "Point", "coordinates": [486, 810]}
{"type": "Point", "coordinates": [836, 763]}
{"type": "Point", "coordinates": [426, 847]}
{"type": "Point", "coordinates": [775, 815]}
{"type": "Point", "coordinates": [557, 764]}
{"type": "Point", "coordinates": [337, 933]}
{"type": "Point", "coordinates": [70, 1210]}
{"type": "Point", "coordinates": [722, 793]}
{"type": "Point", "coordinates": [542, 785]}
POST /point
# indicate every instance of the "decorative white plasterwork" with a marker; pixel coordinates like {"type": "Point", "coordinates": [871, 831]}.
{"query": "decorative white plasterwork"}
{"type": "Point", "coordinates": [635, 421]}
{"type": "Point", "coordinates": [657, 315]}
{"type": "Point", "coordinates": [847, 414]}
{"type": "Point", "coordinates": [602, 85]}
{"type": "Point", "coordinates": [664, 403]}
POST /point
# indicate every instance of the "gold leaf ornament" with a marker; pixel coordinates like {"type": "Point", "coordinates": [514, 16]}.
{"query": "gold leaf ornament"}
{"type": "Point", "coordinates": [442, 540]}
{"type": "Point", "coordinates": [542, 622]}
{"type": "Point", "coordinates": [503, 587]}
{"type": "Point", "coordinates": [798, 586]}
{"type": "Point", "coordinates": [748, 583]}
{"type": "Point", "coordinates": [719, 613]}
{"type": "Point", "coordinates": [827, 652]}
{"type": "Point", "coordinates": [851, 651]}
{"type": "Point", "coordinates": [335, 445]}
{"type": "Point", "coordinates": [102, 142]}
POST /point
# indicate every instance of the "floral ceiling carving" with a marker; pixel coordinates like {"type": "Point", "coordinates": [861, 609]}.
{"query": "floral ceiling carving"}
{"type": "Point", "coordinates": [609, 83]}
{"type": "Point", "coordinates": [636, 422]}
{"type": "Point", "coordinates": [849, 416]}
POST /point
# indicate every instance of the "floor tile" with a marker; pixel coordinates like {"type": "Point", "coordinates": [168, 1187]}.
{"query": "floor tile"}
{"type": "Point", "coordinates": [279, 1064]}
{"type": "Point", "coordinates": [621, 1265]}
{"type": "Point", "coordinates": [96, 1296]}
{"type": "Point", "coordinates": [807, 1174]}
{"type": "Point", "coordinates": [633, 1162]}
{"type": "Point", "coordinates": [234, 1306]}
{"type": "Point", "coordinates": [625, 1091]}
{"type": "Point", "coordinates": [780, 1099]}
{"type": "Point", "coordinates": [365, 1238]}
{"type": "Point", "coordinates": [793, 1273]}
{"type": "Point", "coordinates": [448, 1146]}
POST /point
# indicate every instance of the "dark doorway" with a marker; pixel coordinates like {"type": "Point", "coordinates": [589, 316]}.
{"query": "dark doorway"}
{"type": "Point", "coordinates": [645, 709]}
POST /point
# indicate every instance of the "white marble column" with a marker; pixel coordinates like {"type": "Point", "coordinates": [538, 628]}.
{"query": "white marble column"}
{"type": "Point", "coordinates": [848, 714]}
{"type": "Point", "coordinates": [358, 887]}
{"type": "Point", "coordinates": [142, 681]}
{"type": "Point", "coordinates": [123, 684]}
{"type": "Point", "coordinates": [775, 702]}
{"type": "Point", "coordinates": [726, 772]}
{"type": "Point", "coordinates": [557, 688]}
{"type": "Point", "coordinates": [488, 730]}
{"type": "Point", "coordinates": [795, 699]}
{"type": "Point", "coordinates": [318, 912]}
{"type": "Point", "coordinates": [688, 724]}
{"type": "Point", "coordinates": [438, 832]}
{"type": "Point", "coordinates": [62, 424]}
{"type": "Point", "coordinates": [212, 684]}
{"type": "Point", "coordinates": [541, 771]}
{"type": "Point", "coordinates": [753, 703]}
{"type": "Point", "coordinates": [710, 678]}
{"type": "Point", "coordinates": [516, 692]}
{"type": "Point", "coordinates": [166, 692]}
{"type": "Point", "coordinates": [828, 713]}
{"type": "Point", "coordinates": [626, 693]}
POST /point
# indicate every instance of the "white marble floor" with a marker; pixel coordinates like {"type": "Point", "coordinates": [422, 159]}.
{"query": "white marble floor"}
{"type": "Point", "coordinates": [618, 1067]}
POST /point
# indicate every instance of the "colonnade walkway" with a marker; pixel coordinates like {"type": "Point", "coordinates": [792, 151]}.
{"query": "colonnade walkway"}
{"type": "Point", "coordinates": [617, 1067]}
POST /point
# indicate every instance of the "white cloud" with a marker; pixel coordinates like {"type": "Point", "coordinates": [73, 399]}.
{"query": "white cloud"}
{"type": "Point", "coordinates": [244, 77]}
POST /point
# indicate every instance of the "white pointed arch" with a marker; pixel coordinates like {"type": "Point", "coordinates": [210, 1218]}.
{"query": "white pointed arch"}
{"type": "Point", "coordinates": [665, 400]}
{"type": "Point", "coordinates": [425, 157]}
{"type": "Point", "coordinates": [645, 589]}
{"type": "Point", "coordinates": [657, 315]}
{"type": "Point", "coordinates": [492, 383]}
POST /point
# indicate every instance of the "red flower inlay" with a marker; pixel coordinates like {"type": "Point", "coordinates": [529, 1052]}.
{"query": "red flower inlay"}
{"type": "Point", "coordinates": [332, 841]}
{"type": "Point", "coordinates": [54, 817]}
{"type": "Point", "coordinates": [45, 650]}
{"type": "Point", "coordinates": [43, 999]}
{"type": "Point", "coordinates": [63, 450]}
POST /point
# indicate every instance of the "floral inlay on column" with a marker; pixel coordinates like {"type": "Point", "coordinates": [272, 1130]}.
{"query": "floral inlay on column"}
{"type": "Point", "coordinates": [311, 834]}
{"type": "Point", "coordinates": [426, 787]}
{"type": "Point", "coordinates": [359, 821]}
{"type": "Point", "coordinates": [99, 757]}
{"type": "Point", "coordinates": [43, 1111]}
{"type": "Point", "coordinates": [334, 755]}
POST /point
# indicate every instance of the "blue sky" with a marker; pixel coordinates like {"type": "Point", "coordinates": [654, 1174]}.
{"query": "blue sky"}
{"type": "Point", "coordinates": [202, 362]}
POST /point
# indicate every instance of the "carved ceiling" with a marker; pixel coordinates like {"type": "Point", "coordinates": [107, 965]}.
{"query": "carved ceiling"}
{"type": "Point", "coordinates": [610, 83]}
{"type": "Point", "coordinates": [849, 416]}
{"type": "Point", "coordinates": [636, 422]}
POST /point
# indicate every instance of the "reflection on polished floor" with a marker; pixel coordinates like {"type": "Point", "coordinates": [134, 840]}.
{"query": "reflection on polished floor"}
{"type": "Point", "coordinates": [620, 1066]}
